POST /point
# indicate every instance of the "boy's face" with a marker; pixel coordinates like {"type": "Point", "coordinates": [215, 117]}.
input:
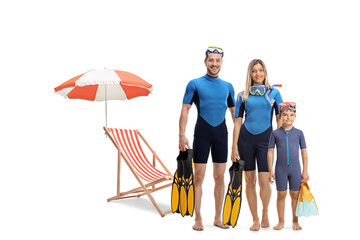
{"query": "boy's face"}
{"type": "Point", "coordinates": [288, 117]}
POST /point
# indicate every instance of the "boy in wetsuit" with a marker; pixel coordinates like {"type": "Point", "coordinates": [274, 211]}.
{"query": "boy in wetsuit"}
{"type": "Point", "coordinates": [287, 140]}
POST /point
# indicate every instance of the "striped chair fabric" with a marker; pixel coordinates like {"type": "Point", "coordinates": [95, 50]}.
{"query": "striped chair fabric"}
{"type": "Point", "coordinates": [129, 144]}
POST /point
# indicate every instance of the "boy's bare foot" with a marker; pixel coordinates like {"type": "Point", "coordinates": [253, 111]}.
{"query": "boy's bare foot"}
{"type": "Point", "coordinates": [255, 226]}
{"type": "Point", "coordinates": [296, 226]}
{"type": "Point", "coordinates": [198, 226]}
{"type": "Point", "coordinates": [279, 226]}
{"type": "Point", "coordinates": [220, 225]}
{"type": "Point", "coordinates": [265, 221]}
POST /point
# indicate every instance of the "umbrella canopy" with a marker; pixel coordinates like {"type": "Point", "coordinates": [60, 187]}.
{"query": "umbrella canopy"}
{"type": "Point", "coordinates": [103, 85]}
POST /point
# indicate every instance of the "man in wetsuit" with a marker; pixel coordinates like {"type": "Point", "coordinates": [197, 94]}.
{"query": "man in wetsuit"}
{"type": "Point", "coordinates": [212, 97]}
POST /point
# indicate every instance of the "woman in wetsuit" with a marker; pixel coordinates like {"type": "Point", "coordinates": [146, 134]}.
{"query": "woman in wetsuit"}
{"type": "Point", "coordinates": [250, 138]}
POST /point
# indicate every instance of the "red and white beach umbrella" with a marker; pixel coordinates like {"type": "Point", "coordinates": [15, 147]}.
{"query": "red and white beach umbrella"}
{"type": "Point", "coordinates": [103, 85]}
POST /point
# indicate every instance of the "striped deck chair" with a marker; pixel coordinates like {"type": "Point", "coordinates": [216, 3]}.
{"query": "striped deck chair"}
{"type": "Point", "coordinates": [129, 149]}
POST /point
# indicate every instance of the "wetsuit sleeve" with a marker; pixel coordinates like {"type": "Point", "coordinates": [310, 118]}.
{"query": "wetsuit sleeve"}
{"type": "Point", "coordinates": [231, 98]}
{"type": "Point", "coordinates": [278, 100]}
{"type": "Point", "coordinates": [302, 142]}
{"type": "Point", "coordinates": [189, 92]}
{"type": "Point", "coordinates": [272, 140]}
{"type": "Point", "coordinates": [239, 106]}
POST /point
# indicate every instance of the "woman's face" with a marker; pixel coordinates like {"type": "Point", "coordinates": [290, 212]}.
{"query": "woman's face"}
{"type": "Point", "coordinates": [258, 74]}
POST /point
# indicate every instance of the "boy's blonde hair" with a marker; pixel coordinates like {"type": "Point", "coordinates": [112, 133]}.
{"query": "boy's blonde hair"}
{"type": "Point", "coordinates": [249, 81]}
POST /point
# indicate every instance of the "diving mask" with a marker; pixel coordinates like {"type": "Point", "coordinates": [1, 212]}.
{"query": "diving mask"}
{"type": "Point", "coordinates": [257, 90]}
{"type": "Point", "coordinates": [287, 105]}
{"type": "Point", "coordinates": [213, 49]}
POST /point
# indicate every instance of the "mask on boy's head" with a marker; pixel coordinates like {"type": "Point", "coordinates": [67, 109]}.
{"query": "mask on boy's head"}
{"type": "Point", "coordinates": [287, 105]}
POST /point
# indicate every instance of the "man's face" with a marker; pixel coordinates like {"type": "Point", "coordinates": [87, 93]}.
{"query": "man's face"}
{"type": "Point", "coordinates": [213, 64]}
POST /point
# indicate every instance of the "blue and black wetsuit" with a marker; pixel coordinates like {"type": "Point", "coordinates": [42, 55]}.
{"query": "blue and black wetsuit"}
{"type": "Point", "coordinates": [256, 129]}
{"type": "Point", "coordinates": [287, 163]}
{"type": "Point", "coordinates": [212, 96]}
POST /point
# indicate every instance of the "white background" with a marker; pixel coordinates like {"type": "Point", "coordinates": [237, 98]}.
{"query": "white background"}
{"type": "Point", "coordinates": [57, 168]}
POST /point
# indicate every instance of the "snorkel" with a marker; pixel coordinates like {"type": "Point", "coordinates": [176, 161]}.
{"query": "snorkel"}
{"type": "Point", "coordinates": [271, 101]}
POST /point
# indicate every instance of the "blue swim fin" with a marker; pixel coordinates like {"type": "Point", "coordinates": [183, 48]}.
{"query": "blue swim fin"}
{"type": "Point", "coordinates": [306, 205]}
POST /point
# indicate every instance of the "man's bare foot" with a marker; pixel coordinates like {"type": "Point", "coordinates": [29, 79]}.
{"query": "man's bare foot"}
{"type": "Point", "coordinates": [265, 221]}
{"type": "Point", "coordinates": [255, 226]}
{"type": "Point", "coordinates": [220, 225]}
{"type": "Point", "coordinates": [279, 226]}
{"type": "Point", "coordinates": [198, 226]}
{"type": "Point", "coordinates": [296, 226]}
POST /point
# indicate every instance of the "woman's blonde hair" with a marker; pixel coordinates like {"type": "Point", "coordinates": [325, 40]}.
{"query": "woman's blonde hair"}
{"type": "Point", "coordinates": [249, 81]}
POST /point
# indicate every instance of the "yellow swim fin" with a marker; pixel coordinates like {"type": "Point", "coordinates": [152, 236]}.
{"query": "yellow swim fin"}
{"type": "Point", "coordinates": [232, 203]}
{"type": "Point", "coordinates": [183, 200]}
{"type": "Point", "coordinates": [175, 193]}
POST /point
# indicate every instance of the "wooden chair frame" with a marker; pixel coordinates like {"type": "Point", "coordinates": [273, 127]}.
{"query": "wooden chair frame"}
{"type": "Point", "coordinates": [144, 189]}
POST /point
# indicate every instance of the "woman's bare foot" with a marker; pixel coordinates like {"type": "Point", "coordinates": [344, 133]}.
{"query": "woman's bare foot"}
{"type": "Point", "coordinates": [255, 226]}
{"type": "Point", "coordinates": [220, 225]}
{"type": "Point", "coordinates": [279, 226]}
{"type": "Point", "coordinates": [198, 226]}
{"type": "Point", "coordinates": [296, 226]}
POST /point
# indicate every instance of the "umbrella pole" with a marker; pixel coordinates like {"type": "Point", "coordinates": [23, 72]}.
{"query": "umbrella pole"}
{"type": "Point", "coordinates": [105, 108]}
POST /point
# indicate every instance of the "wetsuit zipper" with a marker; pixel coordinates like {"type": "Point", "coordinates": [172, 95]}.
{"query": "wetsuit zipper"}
{"type": "Point", "coordinates": [287, 147]}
